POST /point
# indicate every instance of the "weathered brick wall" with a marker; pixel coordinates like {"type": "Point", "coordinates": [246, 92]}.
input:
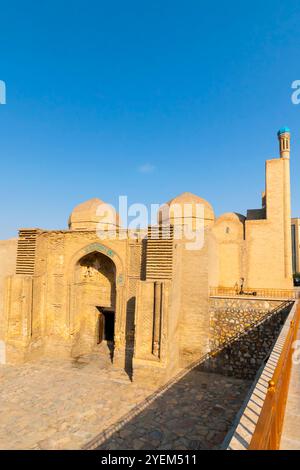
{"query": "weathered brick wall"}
{"type": "Point", "coordinates": [268, 241]}
{"type": "Point", "coordinates": [228, 317]}
{"type": "Point", "coordinates": [8, 255]}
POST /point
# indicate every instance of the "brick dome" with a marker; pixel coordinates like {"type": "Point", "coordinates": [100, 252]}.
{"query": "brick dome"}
{"type": "Point", "coordinates": [188, 205]}
{"type": "Point", "coordinates": [93, 214]}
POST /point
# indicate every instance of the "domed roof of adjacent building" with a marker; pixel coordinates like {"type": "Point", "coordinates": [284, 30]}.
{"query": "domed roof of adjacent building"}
{"type": "Point", "coordinates": [92, 214]}
{"type": "Point", "coordinates": [88, 205]}
{"type": "Point", "coordinates": [230, 226]}
{"type": "Point", "coordinates": [231, 216]}
{"type": "Point", "coordinates": [191, 201]}
{"type": "Point", "coordinates": [187, 197]}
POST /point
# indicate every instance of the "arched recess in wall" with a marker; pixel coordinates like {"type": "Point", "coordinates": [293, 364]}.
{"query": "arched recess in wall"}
{"type": "Point", "coordinates": [80, 265]}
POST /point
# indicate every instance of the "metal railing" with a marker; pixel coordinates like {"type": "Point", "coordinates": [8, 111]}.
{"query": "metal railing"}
{"type": "Point", "coordinates": [255, 292]}
{"type": "Point", "coordinates": [268, 430]}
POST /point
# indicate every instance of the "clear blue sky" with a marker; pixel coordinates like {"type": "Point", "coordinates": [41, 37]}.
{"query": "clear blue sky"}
{"type": "Point", "coordinates": [143, 98]}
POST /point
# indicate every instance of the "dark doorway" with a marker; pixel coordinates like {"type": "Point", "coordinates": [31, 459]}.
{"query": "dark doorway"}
{"type": "Point", "coordinates": [109, 325]}
{"type": "Point", "coordinates": [106, 325]}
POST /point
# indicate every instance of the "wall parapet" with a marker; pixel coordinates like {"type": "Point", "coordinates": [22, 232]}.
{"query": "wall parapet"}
{"type": "Point", "coordinates": [255, 293]}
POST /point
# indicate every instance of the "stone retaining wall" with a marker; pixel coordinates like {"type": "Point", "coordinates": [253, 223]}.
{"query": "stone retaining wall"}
{"type": "Point", "coordinates": [230, 316]}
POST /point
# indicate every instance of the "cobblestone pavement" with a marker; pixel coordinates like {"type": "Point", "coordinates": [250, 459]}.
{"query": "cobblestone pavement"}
{"type": "Point", "coordinates": [64, 404]}
{"type": "Point", "coordinates": [195, 413]}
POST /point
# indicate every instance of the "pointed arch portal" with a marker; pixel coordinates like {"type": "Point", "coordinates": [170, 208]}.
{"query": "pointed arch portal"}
{"type": "Point", "coordinates": [95, 299]}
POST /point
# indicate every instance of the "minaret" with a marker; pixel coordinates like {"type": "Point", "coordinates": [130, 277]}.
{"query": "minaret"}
{"type": "Point", "coordinates": [284, 138]}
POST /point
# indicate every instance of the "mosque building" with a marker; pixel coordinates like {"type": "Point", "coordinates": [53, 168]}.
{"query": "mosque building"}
{"type": "Point", "coordinates": [66, 293]}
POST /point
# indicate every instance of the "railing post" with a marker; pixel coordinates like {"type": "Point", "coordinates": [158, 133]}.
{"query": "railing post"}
{"type": "Point", "coordinates": [272, 441]}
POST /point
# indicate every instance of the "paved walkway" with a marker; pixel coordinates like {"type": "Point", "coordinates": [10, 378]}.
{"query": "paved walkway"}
{"type": "Point", "coordinates": [195, 413]}
{"type": "Point", "coordinates": [290, 439]}
{"type": "Point", "coordinates": [63, 405]}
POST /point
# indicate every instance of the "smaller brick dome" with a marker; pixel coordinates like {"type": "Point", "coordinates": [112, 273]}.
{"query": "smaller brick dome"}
{"type": "Point", "coordinates": [93, 214]}
{"type": "Point", "coordinates": [232, 216]}
{"type": "Point", "coordinates": [230, 226]}
{"type": "Point", "coordinates": [186, 205]}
